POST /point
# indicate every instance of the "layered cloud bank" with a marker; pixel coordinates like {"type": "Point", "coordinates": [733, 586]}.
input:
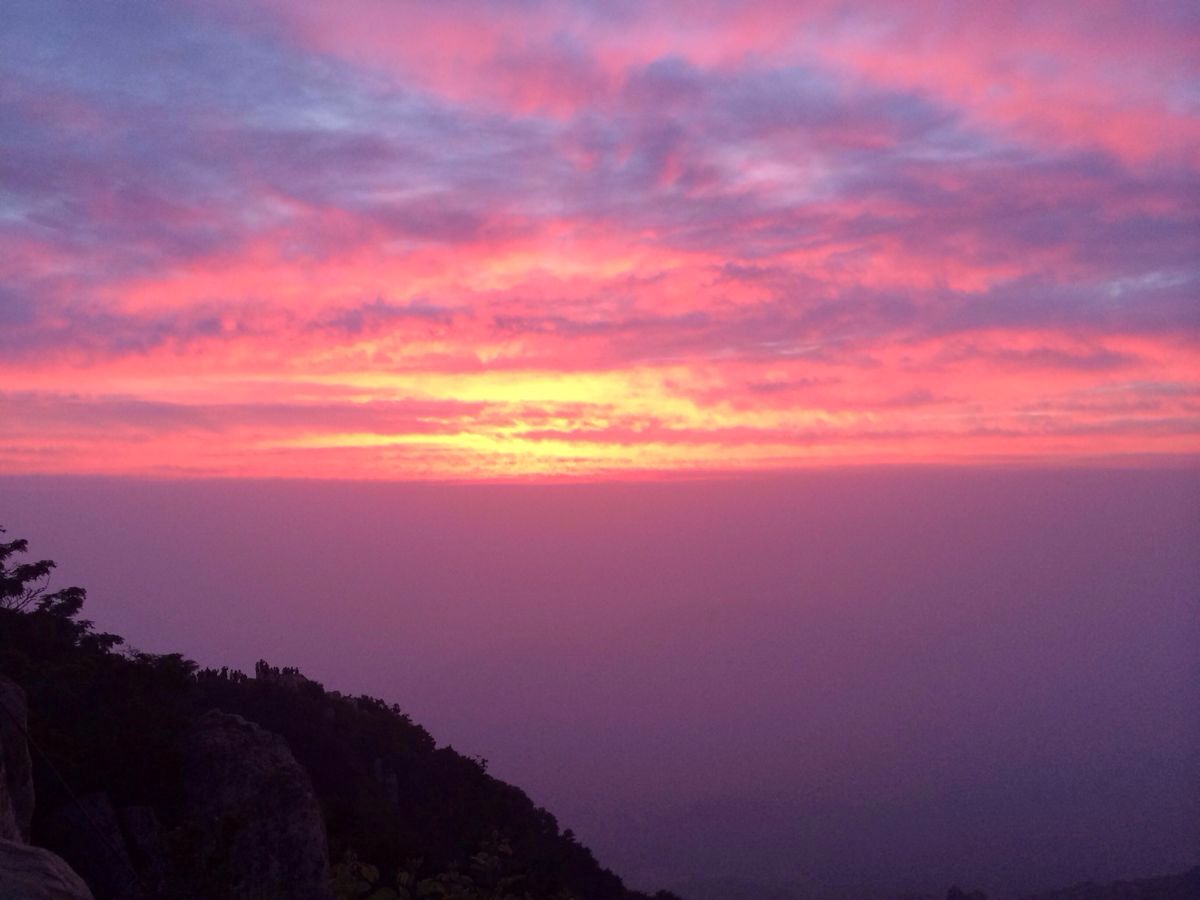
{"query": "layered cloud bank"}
{"type": "Point", "coordinates": [481, 240]}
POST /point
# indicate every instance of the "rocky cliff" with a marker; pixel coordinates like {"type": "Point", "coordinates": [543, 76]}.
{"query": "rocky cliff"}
{"type": "Point", "coordinates": [249, 828]}
{"type": "Point", "coordinates": [26, 872]}
{"type": "Point", "coordinates": [254, 809]}
{"type": "Point", "coordinates": [16, 772]}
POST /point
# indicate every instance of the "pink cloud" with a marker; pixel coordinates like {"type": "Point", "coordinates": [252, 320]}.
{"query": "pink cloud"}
{"type": "Point", "coordinates": [615, 239]}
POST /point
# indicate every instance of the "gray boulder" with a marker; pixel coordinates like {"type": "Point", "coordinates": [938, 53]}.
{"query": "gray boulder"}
{"type": "Point", "coordinates": [31, 873]}
{"type": "Point", "coordinates": [16, 771]}
{"type": "Point", "coordinates": [254, 812]}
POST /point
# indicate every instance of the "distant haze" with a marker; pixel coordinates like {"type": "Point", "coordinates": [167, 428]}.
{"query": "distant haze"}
{"type": "Point", "coordinates": [887, 680]}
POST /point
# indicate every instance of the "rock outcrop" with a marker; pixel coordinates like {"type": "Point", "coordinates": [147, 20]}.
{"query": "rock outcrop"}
{"type": "Point", "coordinates": [31, 873]}
{"type": "Point", "coordinates": [254, 811]}
{"type": "Point", "coordinates": [26, 873]}
{"type": "Point", "coordinates": [16, 771]}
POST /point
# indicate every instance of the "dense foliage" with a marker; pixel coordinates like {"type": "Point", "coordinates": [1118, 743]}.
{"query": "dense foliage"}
{"type": "Point", "coordinates": [405, 818]}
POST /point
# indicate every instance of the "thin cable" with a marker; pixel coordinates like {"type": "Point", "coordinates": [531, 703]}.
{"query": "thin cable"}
{"type": "Point", "coordinates": [121, 858]}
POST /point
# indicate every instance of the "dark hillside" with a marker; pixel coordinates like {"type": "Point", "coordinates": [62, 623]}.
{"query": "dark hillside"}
{"type": "Point", "coordinates": [403, 817]}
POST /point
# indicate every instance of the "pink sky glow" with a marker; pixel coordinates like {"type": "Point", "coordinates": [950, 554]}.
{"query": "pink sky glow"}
{"type": "Point", "coordinates": [473, 240]}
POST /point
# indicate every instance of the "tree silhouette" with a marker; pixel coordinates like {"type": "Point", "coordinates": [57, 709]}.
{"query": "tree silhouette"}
{"type": "Point", "coordinates": [23, 586]}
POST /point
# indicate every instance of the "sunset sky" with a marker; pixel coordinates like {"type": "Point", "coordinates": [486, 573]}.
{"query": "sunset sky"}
{"type": "Point", "coordinates": [472, 240]}
{"type": "Point", "coordinates": [767, 431]}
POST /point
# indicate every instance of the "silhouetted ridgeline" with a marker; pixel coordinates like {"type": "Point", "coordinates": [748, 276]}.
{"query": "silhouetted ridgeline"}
{"type": "Point", "coordinates": [1169, 887]}
{"type": "Point", "coordinates": [147, 792]}
{"type": "Point", "coordinates": [1185, 886]}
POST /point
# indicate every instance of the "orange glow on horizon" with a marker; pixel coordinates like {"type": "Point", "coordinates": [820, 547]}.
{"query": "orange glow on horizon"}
{"type": "Point", "coordinates": [550, 243]}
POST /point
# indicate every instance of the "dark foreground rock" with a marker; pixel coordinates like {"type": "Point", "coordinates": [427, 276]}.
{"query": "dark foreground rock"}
{"type": "Point", "coordinates": [253, 811]}
{"type": "Point", "coordinates": [26, 873]}
{"type": "Point", "coordinates": [146, 846]}
{"type": "Point", "coordinates": [16, 772]}
{"type": "Point", "coordinates": [31, 873]}
{"type": "Point", "coordinates": [87, 833]}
